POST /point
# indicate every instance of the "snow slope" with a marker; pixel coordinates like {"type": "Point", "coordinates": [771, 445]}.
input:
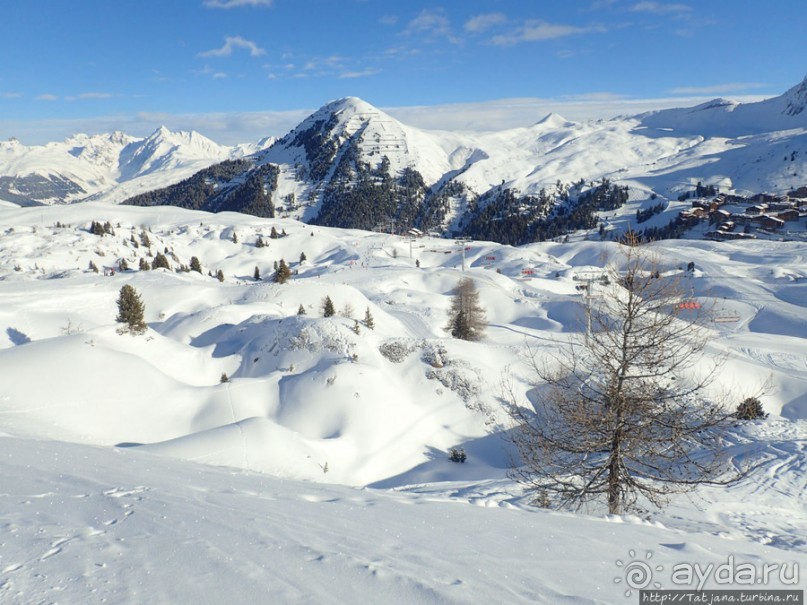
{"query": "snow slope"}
{"type": "Point", "coordinates": [310, 402]}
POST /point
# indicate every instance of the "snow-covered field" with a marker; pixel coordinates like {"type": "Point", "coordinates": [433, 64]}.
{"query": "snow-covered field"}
{"type": "Point", "coordinates": [318, 472]}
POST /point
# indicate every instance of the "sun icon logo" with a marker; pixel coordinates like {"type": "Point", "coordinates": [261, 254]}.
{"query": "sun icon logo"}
{"type": "Point", "coordinates": [637, 574]}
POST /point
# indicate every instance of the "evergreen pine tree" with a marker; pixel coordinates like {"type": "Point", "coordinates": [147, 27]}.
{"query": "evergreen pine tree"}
{"type": "Point", "coordinates": [220, 275]}
{"type": "Point", "coordinates": [283, 272]}
{"type": "Point", "coordinates": [256, 275]}
{"type": "Point", "coordinates": [160, 262]}
{"type": "Point", "coordinates": [93, 267]}
{"type": "Point", "coordinates": [131, 310]}
{"type": "Point", "coordinates": [273, 234]}
{"type": "Point", "coordinates": [235, 237]}
{"type": "Point", "coordinates": [356, 328]}
{"type": "Point", "coordinates": [260, 243]}
{"type": "Point", "coordinates": [303, 257]}
{"type": "Point", "coordinates": [144, 265]}
{"type": "Point", "coordinates": [301, 310]}
{"type": "Point", "coordinates": [368, 319]}
{"type": "Point", "coordinates": [328, 309]}
{"type": "Point", "coordinates": [196, 265]}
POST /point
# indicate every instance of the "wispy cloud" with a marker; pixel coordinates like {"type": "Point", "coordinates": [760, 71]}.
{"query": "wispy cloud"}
{"type": "Point", "coordinates": [484, 22]}
{"type": "Point", "coordinates": [231, 43]}
{"type": "Point", "coordinates": [236, 3]}
{"type": "Point", "coordinates": [371, 71]}
{"type": "Point", "coordinates": [94, 95]}
{"type": "Point", "coordinates": [10, 95]}
{"type": "Point", "coordinates": [331, 62]}
{"type": "Point", "coordinates": [388, 20]}
{"type": "Point", "coordinates": [47, 97]}
{"type": "Point", "coordinates": [716, 89]}
{"type": "Point", "coordinates": [433, 24]}
{"type": "Point", "coordinates": [536, 31]}
{"type": "Point", "coordinates": [594, 97]}
{"type": "Point", "coordinates": [660, 8]}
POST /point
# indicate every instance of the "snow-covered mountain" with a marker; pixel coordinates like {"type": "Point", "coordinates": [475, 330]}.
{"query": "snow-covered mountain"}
{"type": "Point", "coordinates": [350, 164]}
{"type": "Point", "coordinates": [729, 119]}
{"type": "Point", "coordinates": [106, 167]}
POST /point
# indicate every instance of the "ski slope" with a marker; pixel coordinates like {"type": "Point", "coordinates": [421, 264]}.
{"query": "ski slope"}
{"type": "Point", "coordinates": [318, 472]}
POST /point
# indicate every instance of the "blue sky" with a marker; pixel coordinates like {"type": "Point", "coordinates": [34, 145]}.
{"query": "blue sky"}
{"type": "Point", "coordinates": [242, 69]}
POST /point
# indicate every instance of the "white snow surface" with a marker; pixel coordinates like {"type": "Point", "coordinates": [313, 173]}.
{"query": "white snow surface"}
{"type": "Point", "coordinates": [318, 472]}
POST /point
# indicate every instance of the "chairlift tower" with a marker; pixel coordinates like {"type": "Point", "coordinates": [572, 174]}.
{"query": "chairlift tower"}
{"type": "Point", "coordinates": [461, 241]}
{"type": "Point", "coordinates": [590, 278]}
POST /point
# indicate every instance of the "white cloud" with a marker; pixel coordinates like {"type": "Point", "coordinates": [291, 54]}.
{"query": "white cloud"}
{"type": "Point", "coordinates": [233, 128]}
{"type": "Point", "coordinates": [47, 97]}
{"type": "Point", "coordinates": [236, 3]}
{"type": "Point", "coordinates": [10, 95]}
{"type": "Point", "coordinates": [484, 22]}
{"type": "Point", "coordinates": [433, 24]}
{"type": "Point", "coordinates": [95, 95]}
{"type": "Point", "coordinates": [515, 113]}
{"type": "Point", "coordinates": [359, 74]}
{"type": "Point", "coordinates": [388, 20]}
{"type": "Point", "coordinates": [660, 8]}
{"type": "Point", "coordinates": [716, 89]}
{"type": "Point", "coordinates": [232, 43]}
{"type": "Point", "coordinates": [536, 31]}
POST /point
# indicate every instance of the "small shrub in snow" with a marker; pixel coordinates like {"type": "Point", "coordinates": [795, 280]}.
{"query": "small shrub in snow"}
{"type": "Point", "coordinates": [463, 381]}
{"type": "Point", "coordinates": [224, 378]}
{"type": "Point", "coordinates": [435, 355]}
{"type": "Point", "coordinates": [396, 350]}
{"type": "Point", "coordinates": [301, 310]}
{"type": "Point", "coordinates": [751, 409]}
{"type": "Point", "coordinates": [457, 455]}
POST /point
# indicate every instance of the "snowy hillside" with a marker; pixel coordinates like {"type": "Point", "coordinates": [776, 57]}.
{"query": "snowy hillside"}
{"type": "Point", "coordinates": [125, 508]}
{"type": "Point", "coordinates": [107, 167]}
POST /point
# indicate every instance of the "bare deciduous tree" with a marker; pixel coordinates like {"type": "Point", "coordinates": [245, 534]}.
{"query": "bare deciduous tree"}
{"type": "Point", "coordinates": [625, 413]}
{"type": "Point", "coordinates": [466, 316]}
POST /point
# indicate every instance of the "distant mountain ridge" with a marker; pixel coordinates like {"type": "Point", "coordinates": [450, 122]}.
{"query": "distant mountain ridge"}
{"type": "Point", "coordinates": [106, 167]}
{"type": "Point", "coordinates": [350, 164]}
